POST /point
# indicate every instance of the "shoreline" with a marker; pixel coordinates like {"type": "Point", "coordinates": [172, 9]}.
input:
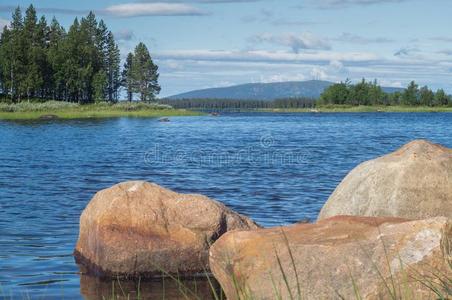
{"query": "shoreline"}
{"type": "Point", "coordinates": [359, 109]}
{"type": "Point", "coordinates": [93, 112]}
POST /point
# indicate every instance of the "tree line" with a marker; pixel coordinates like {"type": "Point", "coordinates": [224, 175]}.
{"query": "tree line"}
{"type": "Point", "coordinates": [371, 93]}
{"type": "Point", "coordinates": [41, 60]}
{"type": "Point", "coordinates": [235, 105]}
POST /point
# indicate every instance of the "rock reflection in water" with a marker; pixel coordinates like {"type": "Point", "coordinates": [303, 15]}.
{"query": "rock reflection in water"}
{"type": "Point", "coordinates": [95, 288]}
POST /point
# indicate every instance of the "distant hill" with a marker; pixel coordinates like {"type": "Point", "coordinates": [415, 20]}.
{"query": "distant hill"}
{"type": "Point", "coordinates": [265, 91]}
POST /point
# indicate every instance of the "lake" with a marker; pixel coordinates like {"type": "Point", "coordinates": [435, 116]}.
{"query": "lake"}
{"type": "Point", "coordinates": [275, 168]}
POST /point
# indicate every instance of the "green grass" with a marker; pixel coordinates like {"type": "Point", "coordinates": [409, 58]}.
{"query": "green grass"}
{"type": "Point", "coordinates": [65, 110]}
{"type": "Point", "coordinates": [361, 108]}
{"type": "Point", "coordinates": [395, 287]}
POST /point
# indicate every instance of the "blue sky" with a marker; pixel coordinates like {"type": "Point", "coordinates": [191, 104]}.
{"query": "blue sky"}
{"type": "Point", "coordinates": [212, 43]}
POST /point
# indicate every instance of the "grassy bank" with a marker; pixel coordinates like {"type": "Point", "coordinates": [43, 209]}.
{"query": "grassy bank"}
{"type": "Point", "coordinates": [65, 110]}
{"type": "Point", "coordinates": [362, 108]}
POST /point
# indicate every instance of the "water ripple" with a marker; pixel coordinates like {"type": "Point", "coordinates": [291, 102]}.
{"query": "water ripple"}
{"type": "Point", "coordinates": [276, 168]}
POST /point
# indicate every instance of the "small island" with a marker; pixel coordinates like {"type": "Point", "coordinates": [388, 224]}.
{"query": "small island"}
{"type": "Point", "coordinates": [47, 72]}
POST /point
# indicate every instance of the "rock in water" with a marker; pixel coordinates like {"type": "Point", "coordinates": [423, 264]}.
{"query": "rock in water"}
{"type": "Point", "coordinates": [344, 256]}
{"type": "Point", "coordinates": [141, 229]}
{"type": "Point", "coordinates": [48, 117]}
{"type": "Point", "coordinates": [414, 182]}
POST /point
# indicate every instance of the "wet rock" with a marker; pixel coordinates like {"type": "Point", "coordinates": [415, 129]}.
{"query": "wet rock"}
{"type": "Point", "coordinates": [95, 288]}
{"type": "Point", "coordinates": [48, 117]}
{"type": "Point", "coordinates": [141, 229]}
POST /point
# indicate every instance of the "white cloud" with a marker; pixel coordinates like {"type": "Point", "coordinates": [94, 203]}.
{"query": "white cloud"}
{"type": "Point", "coordinates": [206, 68]}
{"type": "Point", "coordinates": [391, 83]}
{"type": "Point", "coordinates": [447, 52]}
{"type": "Point", "coordinates": [266, 16]}
{"type": "Point", "coordinates": [172, 64]}
{"type": "Point", "coordinates": [267, 56]}
{"type": "Point", "coordinates": [49, 10]}
{"type": "Point", "coordinates": [124, 35]}
{"type": "Point", "coordinates": [282, 77]}
{"type": "Point", "coordinates": [203, 1]}
{"type": "Point", "coordinates": [336, 65]}
{"type": "Point", "coordinates": [3, 23]}
{"type": "Point", "coordinates": [347, 37]}
{"type": "Point", "coordinates": [296, 42]}
{"type": "Point", "coordinates": [318, 73]}
{"type": "Point", "coordinates": [407, 51]}
{"type": "Point", "coordinates": [348, 3]}
{"type": "Point", "coordinates": [158, 8]}
{"type": "Point", "coordinates": [446, 39]}
{"type": "Point", "coordinates": [153, 9]}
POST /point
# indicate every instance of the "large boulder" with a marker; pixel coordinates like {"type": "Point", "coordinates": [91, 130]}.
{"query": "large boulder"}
{"type": "Point", "coordinates": [414, 182]}
{"type": "Point", "coordinates": [344, 257]}
{"type": "Point", "coordinates": [141, 229]}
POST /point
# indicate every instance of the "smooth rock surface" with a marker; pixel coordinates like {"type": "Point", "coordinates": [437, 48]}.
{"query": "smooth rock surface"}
{"type": "Point", "coordinates": [332, 254]}
{"type": "Point", "coordinates": [413, 182]}
{"type": "Point", "coordinates": [140, 229]}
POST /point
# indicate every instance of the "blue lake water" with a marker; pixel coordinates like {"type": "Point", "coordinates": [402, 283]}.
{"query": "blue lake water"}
{"type": "Point", "coordinates": [275, 168]}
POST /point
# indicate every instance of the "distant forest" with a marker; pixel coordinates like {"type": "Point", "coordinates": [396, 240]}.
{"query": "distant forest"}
{"type": "Point", "coordinates": [228, 104]}
{"type": "Point", "coordinates": [370, 93]}
{"type": "Point", "coordinates": [43, 61]}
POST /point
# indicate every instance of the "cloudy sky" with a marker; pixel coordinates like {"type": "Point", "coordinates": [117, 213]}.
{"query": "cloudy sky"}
{"type": "Point", "coordinates": [212, 43]}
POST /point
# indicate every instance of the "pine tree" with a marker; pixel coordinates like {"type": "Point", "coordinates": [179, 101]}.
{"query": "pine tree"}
{"type": "Point", "coordinates": [42, 39]}
{"type": "Point", "coordinates": [15, 50]}
{"type": "Point", "coordinates": [127, 77]}
{"type": "Point", "coordinates": [89, 63]}
{"type": "Point", "coordinates": [411, 94]}
{"type": "Point", "coordinates": [426, 96]}
{"type": "Point", "coordinates": [82, 65]}
{"type": "Point", "coordinates": [34, 35]}
{"type": "Point", "coordinates": [113, 60]}
{"type": "Point", "coordinates": [71, 66]}
{"type": "Point", "coordinates": [4, 59]}
{"type": "Point", "coordinates": [55, 58]}
{"type": "Point", "coordinates": [145, 74]}
{"type": "Point", "coordinates": [100, 85]}
{"type": "Point", "coordinates": [101, 43]}
{"type": "Point", "coordinates": [440, 98]}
